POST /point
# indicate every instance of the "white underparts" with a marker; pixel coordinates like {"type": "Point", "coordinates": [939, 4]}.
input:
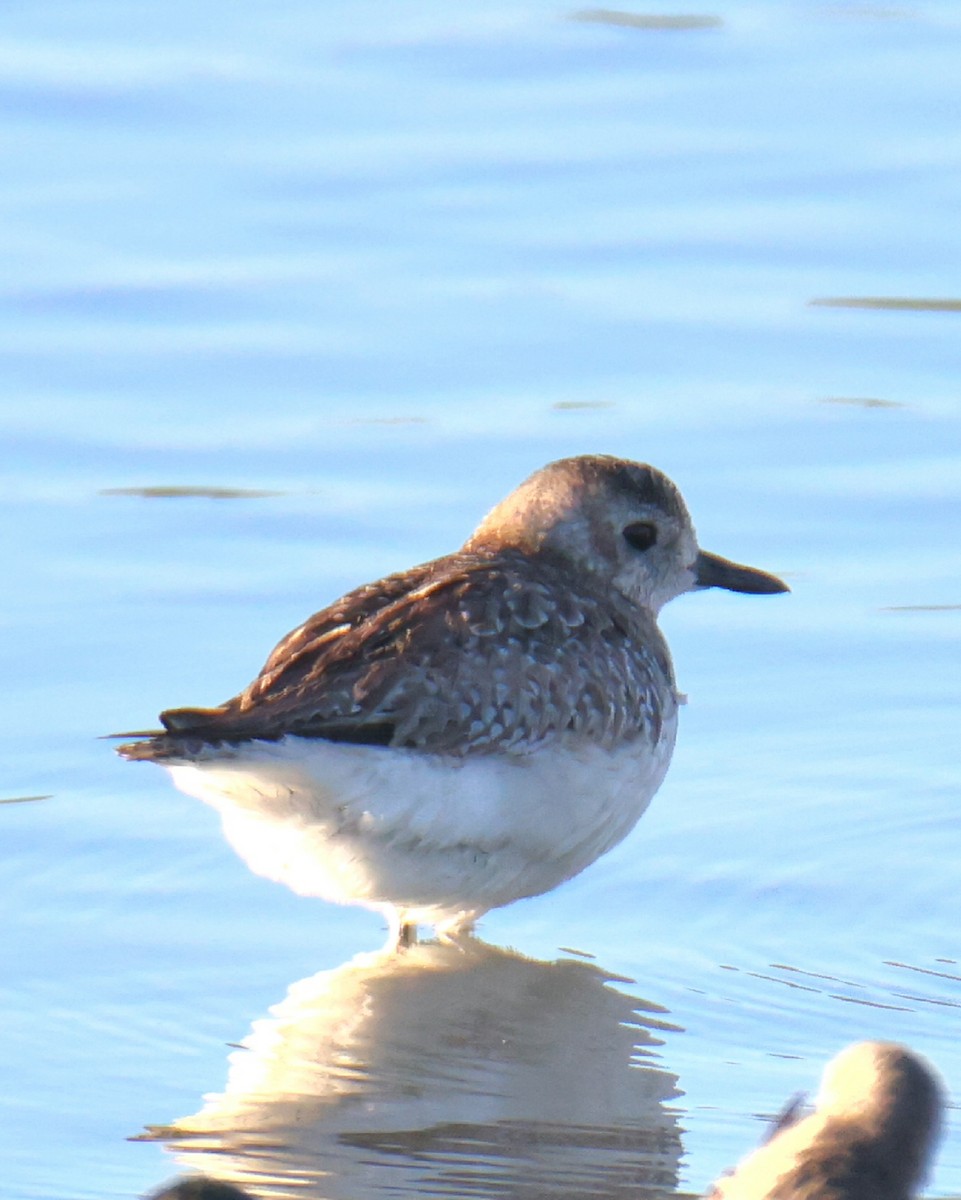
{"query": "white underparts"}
{"type": "Point", "coordinates": [433, 839]}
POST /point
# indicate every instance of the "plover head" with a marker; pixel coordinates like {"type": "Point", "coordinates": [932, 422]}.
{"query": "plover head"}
{"type": "Point", "coordinates": [621, 522]}
{"type": "Point", "coordinates": [891, 1096]}
{"type": "Point", "coordinates": [870, 1137]}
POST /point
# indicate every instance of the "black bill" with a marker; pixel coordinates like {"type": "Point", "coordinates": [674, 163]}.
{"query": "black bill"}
{"type": "Point", "coordinates": [711, 570]}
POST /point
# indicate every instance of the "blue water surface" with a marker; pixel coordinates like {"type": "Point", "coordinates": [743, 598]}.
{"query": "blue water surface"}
{"type": "Point", "coordinates": [362, 267]}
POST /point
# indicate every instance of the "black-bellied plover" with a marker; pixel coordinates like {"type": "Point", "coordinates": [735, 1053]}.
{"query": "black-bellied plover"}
{"type": "Point", "coordinates": [473, 730]}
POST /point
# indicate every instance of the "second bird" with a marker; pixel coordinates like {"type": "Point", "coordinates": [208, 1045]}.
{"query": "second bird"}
{"type": "Point", "coordinates": [473, 730]}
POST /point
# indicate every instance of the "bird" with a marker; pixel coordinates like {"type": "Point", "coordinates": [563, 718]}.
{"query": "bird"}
{"type": "Point", "coordinates": [473, 730]}
{"type": "Point", "coordinates": [199, 1187]}
{"type": "Point", "coordinates": [870, 1137]}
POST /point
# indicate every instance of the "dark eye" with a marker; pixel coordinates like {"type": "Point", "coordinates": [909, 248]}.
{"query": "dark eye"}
{"type": "Point", "coordinates": [641, 535]}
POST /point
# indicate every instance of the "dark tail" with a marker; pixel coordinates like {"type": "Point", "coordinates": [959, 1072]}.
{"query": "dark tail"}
{"type": "Point", "coordinates": [186, 733]}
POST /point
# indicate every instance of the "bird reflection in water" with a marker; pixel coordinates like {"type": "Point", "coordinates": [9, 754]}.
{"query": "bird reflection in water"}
{"type": "Point", "coordinates": [870, 1137]}
{"type": "Point", "coordinates": [453, 1069]}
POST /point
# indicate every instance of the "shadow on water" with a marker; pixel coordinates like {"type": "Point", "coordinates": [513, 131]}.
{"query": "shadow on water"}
{"type": "Point", "coordinates": [449, 1069]}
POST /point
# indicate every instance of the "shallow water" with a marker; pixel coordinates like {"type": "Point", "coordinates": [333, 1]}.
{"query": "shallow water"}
{"type": "Point", "coordinates": [290, 297]}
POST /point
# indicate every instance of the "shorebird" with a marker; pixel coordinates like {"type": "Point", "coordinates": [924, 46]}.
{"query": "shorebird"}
{"type": "Point", "coordinates": [870, 1137]}
{"type": "Point", "coordinates": [470, 731]}
{"type": "Point", "coordinates": [199, 1187]}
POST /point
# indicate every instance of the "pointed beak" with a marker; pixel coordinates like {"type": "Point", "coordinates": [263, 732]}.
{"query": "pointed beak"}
{"type": "Point", "coordinates": [710, 570]}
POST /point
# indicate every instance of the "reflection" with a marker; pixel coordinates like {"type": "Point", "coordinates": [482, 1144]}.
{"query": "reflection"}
{"type": "Point", "coordinates": [850, 991]}
{"type": "Point", "coordinates": [908, 608]}
{"type": "Point", "coordinates": [452, 1069]}
{"type": "Point", "coordinates": [179, 492]}
{"type": "Point", "coordinates": [898, 303]}
{"type": "Point", "coordinates": [630, 20]}
{"type": "Point", "coordinates": [869, 12]}
{"type": "Point", "coordinates": [580, 405]}
{"type": "Point", "coordinates": [871, 1135]}
{"type": "Point", "coordinates": [384, 421]}
{"type": "Point", "coordinates": [862, 402]}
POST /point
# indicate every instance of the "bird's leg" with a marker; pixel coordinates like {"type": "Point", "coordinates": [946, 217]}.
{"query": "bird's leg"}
{"type": "Point", "coordinates": [406, 935]}
{"type": "Point", "coordinates": [401, 933]}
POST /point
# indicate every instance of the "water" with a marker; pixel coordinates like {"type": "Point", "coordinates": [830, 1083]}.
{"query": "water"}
{"type": "Point", "coordinates": [381, 262]}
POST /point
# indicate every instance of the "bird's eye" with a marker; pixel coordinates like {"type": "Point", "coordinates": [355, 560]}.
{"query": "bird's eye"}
{"type": "Point", "coordinates": [641, 535]}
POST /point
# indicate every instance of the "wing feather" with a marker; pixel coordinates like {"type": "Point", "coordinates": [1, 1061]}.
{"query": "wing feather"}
{"type": "Point", "coordinates": [465, 655]}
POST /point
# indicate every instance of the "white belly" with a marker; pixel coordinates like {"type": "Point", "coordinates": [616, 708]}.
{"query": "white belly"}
{"type": "Point", "coordinates": [439, 839]}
